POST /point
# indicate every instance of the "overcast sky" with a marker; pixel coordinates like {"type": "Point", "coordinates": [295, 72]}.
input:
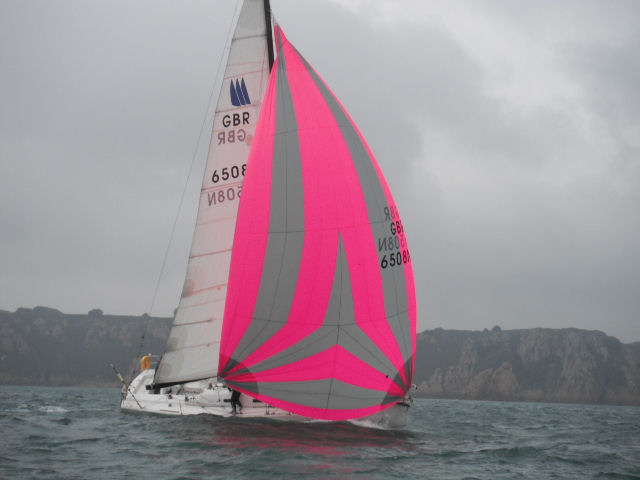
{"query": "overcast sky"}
{"type": "Point", "coordinates": [509, 132]}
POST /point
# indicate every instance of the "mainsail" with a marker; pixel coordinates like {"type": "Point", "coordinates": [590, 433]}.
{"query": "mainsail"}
{"type": "Point", "coordinates": [320, 316]}
{"type": "Point", "coordinates": [194, 341]}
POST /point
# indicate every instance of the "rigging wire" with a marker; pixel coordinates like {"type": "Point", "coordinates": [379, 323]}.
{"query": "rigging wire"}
{"type": "Point", "coordinates": [215, 87]}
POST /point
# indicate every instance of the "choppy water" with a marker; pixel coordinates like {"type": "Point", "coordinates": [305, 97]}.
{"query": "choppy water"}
{"type": "Point", "coordinates": [73, 433]}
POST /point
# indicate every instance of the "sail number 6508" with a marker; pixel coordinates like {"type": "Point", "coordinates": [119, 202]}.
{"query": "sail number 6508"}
{"type": "Point", "coordinates": [395, 259]}
{"type": "Point", "coordinates": [226, 173]}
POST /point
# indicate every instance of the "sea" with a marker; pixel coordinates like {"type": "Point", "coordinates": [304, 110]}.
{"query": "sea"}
{"type": "Point", "coordinates": [81, 433]}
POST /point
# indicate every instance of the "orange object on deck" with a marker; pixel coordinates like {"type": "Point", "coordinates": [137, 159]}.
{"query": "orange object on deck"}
{"type": "Point", "coordinates": [145, 362]}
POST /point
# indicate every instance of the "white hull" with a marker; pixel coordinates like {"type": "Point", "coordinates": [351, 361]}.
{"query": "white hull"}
{"type": "Point", "coordinates": [211, 398]}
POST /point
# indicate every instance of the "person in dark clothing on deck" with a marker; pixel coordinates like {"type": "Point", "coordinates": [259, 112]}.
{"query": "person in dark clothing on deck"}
{"type": "Point", "coordinates": [235, 401]}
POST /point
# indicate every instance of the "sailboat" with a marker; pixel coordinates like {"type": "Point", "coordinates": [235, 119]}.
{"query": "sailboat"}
{"type": "Point", "coordinates": [299, 299]}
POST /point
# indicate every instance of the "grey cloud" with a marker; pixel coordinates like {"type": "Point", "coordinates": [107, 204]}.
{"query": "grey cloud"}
{"type": "Point", "coordinates": [524, 253]}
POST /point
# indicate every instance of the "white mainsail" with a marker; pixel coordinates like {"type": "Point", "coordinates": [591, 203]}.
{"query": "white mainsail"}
{"type": "Point", "coordinates": [194, 342]}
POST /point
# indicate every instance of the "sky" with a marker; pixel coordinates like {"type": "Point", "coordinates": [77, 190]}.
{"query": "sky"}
{"type": "Point", "coordinates": [509, 132]}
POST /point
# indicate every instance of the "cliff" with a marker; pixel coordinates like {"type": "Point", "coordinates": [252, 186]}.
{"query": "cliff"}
{"type": "Point", "coordinates": [549, 365]}
{"type": "Point", "coordinates": [43, 346]}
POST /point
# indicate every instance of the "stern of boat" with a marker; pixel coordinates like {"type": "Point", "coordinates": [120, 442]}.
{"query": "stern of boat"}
{"type": "Point", "coordinates": [396, 416]}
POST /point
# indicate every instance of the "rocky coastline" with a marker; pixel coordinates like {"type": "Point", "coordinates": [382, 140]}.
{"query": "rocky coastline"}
{"type": "Point", "coordinates": [43, 346]}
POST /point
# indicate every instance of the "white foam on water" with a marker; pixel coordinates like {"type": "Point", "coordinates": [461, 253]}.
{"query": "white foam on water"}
{"type": "Point", "coordinates": [52, 409]}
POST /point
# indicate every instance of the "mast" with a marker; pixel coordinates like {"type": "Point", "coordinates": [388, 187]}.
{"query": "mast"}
{"type": "Point", "coordinates": [267, 22]}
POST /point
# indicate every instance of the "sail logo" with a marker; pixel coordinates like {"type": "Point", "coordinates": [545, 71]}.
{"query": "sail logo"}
{"type": "Point", "coordinates": [239, 94]}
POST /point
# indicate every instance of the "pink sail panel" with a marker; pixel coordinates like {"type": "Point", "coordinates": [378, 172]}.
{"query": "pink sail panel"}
{"type": "Point", "coordinates": [320, 312]}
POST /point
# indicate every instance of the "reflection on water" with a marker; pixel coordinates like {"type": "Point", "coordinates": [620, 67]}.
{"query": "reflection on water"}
{"type": "Point", "coordinates": [320, 438]}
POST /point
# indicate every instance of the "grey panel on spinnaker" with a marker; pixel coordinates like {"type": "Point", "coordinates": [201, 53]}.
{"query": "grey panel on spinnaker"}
{"type": "Point", "coordinates": [314, 394]}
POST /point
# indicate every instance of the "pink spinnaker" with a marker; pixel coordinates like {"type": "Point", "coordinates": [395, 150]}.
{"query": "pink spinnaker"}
{"type": "Point", "coordinates": [320, 317]}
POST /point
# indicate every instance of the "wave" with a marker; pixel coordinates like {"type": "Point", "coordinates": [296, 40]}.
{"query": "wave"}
{"type": "Point", "coordinates": [52, 409]}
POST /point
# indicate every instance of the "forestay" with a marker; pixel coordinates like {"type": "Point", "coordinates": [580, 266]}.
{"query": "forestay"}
{"type": "Point", "coordinates": [320, 315]}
